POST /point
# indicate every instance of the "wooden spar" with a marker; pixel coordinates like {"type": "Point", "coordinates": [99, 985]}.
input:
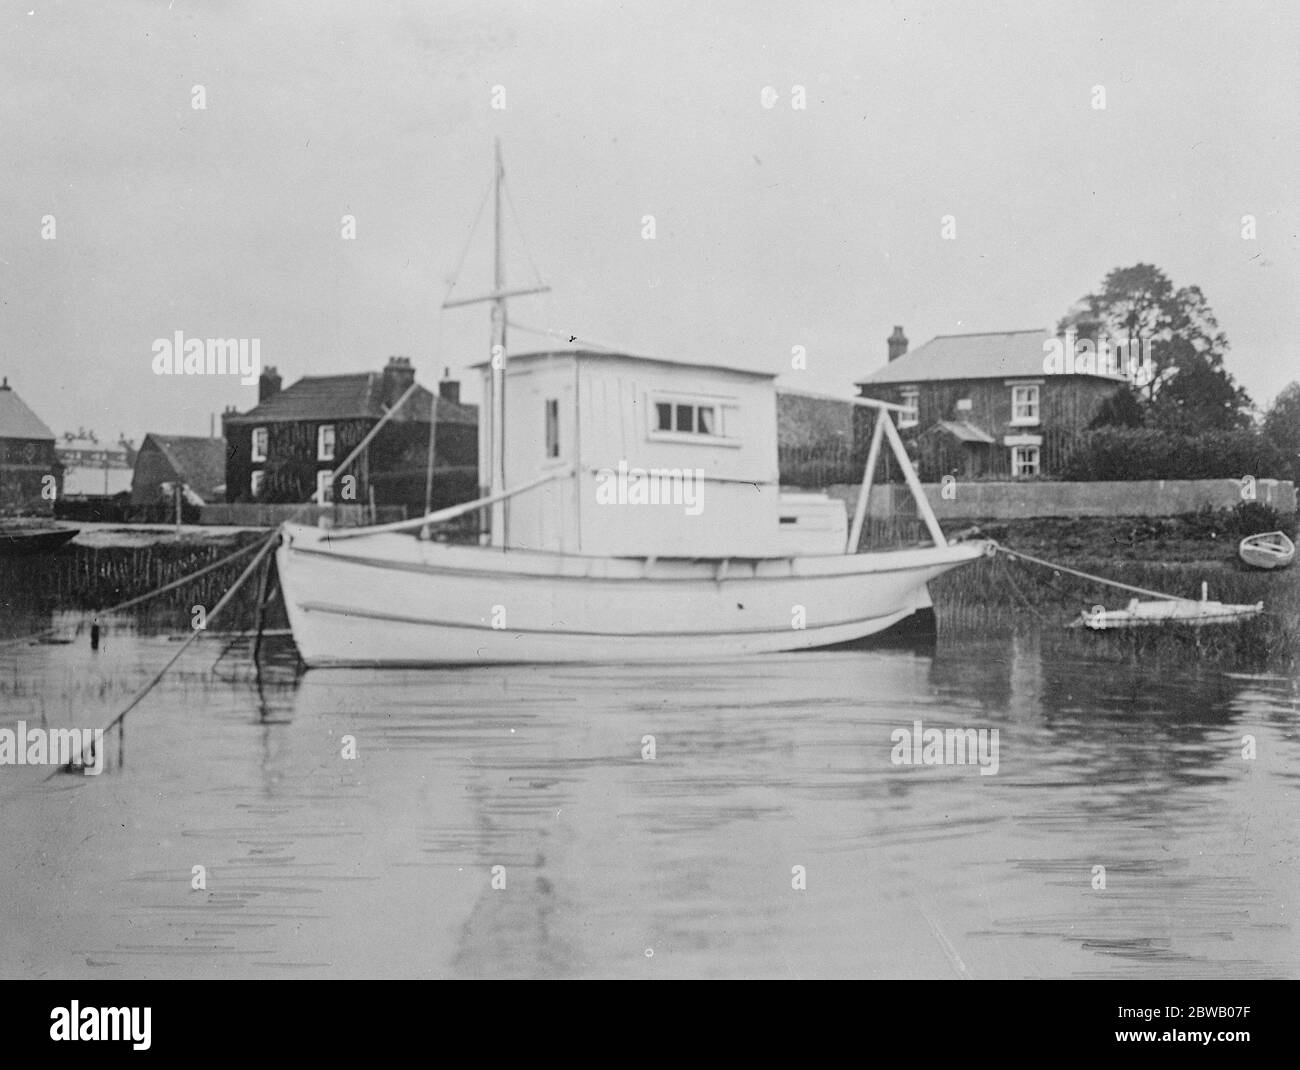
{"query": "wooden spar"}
{"type": "Point", "coordinates": [497, 295]}
{"type": "Point", "coordinates": [913, 483]}
{"type": "Point", "coordinates": [498, 484]}
{"type": "Point", "coordinates": [864, 493]}
{"type": "Point", "coordinates": [451, 512]}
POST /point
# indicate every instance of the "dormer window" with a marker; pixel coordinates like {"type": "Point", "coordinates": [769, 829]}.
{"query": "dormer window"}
{"type": "Point", "coordinates": [911, 401]}
{"type": "Point", "coordinates": [325, 442]}
{"type": "Point", "coordinates": [259, 443]}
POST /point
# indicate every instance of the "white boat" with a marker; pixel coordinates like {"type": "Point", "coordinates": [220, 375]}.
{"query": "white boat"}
{"type": "Point", "coordinates": [1272, 549]}
{"type": "Point", "coordinates": [635, 515]}
{"type": "Point", "coordinates": [1185, 611]}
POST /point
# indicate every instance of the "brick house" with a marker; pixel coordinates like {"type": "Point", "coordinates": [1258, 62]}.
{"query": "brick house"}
{"type": "Point", "coordinates": [981, 405]}
{"type": "Point", "coordinates": [26, 457]}
{"type": "Point", "coordinates": [286, 448]}
{"type": "Point", "coordinates": [196, 464]}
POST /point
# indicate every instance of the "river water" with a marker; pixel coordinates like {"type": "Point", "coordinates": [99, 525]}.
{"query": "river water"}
{"type": "Point", "coordinates": [519, 822]}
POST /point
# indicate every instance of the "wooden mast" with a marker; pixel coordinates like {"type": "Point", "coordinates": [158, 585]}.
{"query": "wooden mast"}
{"type": "Point", "coordinates": [498, 471]}
{"type": "Point", "coordinates": [495, 406]}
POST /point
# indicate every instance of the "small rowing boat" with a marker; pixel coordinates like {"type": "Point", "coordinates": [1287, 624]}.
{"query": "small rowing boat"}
{"type": "Point", "coordinates": [1270, 550]}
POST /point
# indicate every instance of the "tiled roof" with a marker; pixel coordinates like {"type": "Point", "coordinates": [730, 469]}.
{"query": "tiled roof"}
{"type": "Point", "coordinates": [200, 462]}
{"type": "Point", "coordinates": [17, 420]}
{"type": "Point", "coordinates": [995, 355]}
{"type": "Point", "coordinates": [344, 397]}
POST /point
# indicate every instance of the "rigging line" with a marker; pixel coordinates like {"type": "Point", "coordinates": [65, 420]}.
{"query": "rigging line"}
{"type": "Point", "coordinates": [559, 334]}
{"type": "Point", "coordinates": [1086, 575]}
{"type": "Point", "coordinates": [139, 598]}
{"type": "Point", "coordinates": [266, 545]}
{"type": "Point", "coordinates": [514, 214]}
{"type": "Point", "coordinates": [469, 238]}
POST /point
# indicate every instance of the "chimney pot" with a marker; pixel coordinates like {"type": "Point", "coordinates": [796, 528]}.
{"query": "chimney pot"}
{"type": "Point", "coordinates": [398, 377]}
{"type": "Point", "coordinates": [897, 343]}
{"type": "Point", "coordinates": [268, 383]}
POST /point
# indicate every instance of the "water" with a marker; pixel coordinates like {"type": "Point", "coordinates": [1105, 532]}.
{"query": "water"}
{"type": "Point", "coordinates": [682, 865]}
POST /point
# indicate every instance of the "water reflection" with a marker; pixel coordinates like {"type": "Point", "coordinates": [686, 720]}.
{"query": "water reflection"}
{"type": "Point", "coordinates": [731, 819]}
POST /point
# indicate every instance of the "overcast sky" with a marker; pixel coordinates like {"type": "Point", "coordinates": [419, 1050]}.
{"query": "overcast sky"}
{"type": "Point", "coordinates": [776, 227]}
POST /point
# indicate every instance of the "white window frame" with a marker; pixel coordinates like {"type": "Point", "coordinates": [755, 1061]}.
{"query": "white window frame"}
{"type": "Point", "coordinates": [911, 414]}
{"type": "Point", "coordinates": [1020, 459]}
{"type": "Point", "coordinates": [722, 418]}
{"type": "Point", "coordinates": [255, 482]}
{"type": "Point", "coordinates": [321, 453]}
{"type": "Point", "coordinates": [1032, 402]}
{"type": "Point", "coordinates": [260, 434]}
{"type": "Point", "coordinates": [324, 487]}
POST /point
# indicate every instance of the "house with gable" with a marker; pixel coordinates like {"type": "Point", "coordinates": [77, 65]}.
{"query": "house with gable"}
{"type": "Point", "coordinates": [982, 405]}
{"type": "Point", "coordinates": [286, 448]}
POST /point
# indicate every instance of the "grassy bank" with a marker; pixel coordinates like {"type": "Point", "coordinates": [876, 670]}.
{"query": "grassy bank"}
{"type": "Point", "coordinates": [1170, 555]}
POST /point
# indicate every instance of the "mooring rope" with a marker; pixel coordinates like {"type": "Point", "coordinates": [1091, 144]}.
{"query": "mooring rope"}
{"type": "Point", "coordinates": [1013, 554]}
{"type": "Point", "coordinates": [266, 545]}
{"type": "Point", "coordinates": [22, 639]}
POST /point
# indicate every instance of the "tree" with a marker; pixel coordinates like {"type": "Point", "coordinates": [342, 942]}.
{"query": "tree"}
{"type": "Point", "coordinates": [1282, 425]}
{"type": "Point", "coordinates": [1189, 389]}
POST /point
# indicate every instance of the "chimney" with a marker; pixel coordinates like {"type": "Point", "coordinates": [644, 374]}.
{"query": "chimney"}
{"type": "Point", "coordinates": [398, 377]}
{"type": "Point", "coordinates": [268, 384]}
{"type": "Point", "coordinates": [897, 343]}
{"type": "Point", "coordinates": [449, 388]}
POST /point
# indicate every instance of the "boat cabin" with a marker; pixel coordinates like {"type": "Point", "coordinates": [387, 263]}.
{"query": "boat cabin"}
{"type": "Point", "coordinates": [668, 459]}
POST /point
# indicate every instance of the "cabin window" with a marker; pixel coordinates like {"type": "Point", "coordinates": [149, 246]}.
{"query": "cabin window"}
{"type": "Point", "coordinates": [552, 427]}
{"type": "Point", "coordinates": [324, 486]}
{"type": "Point", "coordinates": [1024, 404]}
{"type": "Point", "coordinates": [255, 482]}
{"type": "Point", "coordinates": [687, 419]}
{"type": "Point", "coordinates": [911, 402]}
{"type": "Point", "coordinates": [325, 442]}
{"type": "Point", "coordinates": [1024, 460]}
{"type": "Point", "coordinates": [259, 443]}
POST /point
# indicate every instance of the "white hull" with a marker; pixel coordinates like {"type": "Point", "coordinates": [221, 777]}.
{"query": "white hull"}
{"type": "Point", "coordinates": [390, 599]}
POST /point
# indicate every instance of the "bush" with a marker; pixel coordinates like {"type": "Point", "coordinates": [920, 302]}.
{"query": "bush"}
{"type": "Point", "coordinates": [1123, 453]}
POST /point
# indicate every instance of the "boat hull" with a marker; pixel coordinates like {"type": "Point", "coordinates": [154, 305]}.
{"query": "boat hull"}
{"type": "Point", "coordinates": [22, 542]}
{"type": "Point", "coordinates": [1268, 551]}
{"type": "Point", "coordinates": [393, 600]}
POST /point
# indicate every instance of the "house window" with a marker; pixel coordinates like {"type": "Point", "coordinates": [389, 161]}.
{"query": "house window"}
{"type": "Point", "coordinates": [552, 427]}
{"type": "Point", "coordinates": [911, 414]}
{"type": "Point", "coordinates": [255, 482]}
{"type": "Point", "coordinates": [1024, 460]}
{"type": "Point", "coordinates": [325, 486]}
{"type": "Point", "coordinates": [687, 418]}
{"type": "Point", "coordinates": [1024, 404]}
{"type": "Point", "coordinates": [325, 442]}
{"type": "Point", "coordinates": [259, 443]}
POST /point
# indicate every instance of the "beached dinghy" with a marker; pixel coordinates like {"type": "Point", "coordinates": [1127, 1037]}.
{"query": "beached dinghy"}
{"type": "Point", "coordinates": [1273, 549]}
{"type": "Point", "coordinates": [635, 515]}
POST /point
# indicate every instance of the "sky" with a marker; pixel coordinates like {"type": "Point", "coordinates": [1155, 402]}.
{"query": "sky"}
{"type": "Point", "coordinates": [774, 227]}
